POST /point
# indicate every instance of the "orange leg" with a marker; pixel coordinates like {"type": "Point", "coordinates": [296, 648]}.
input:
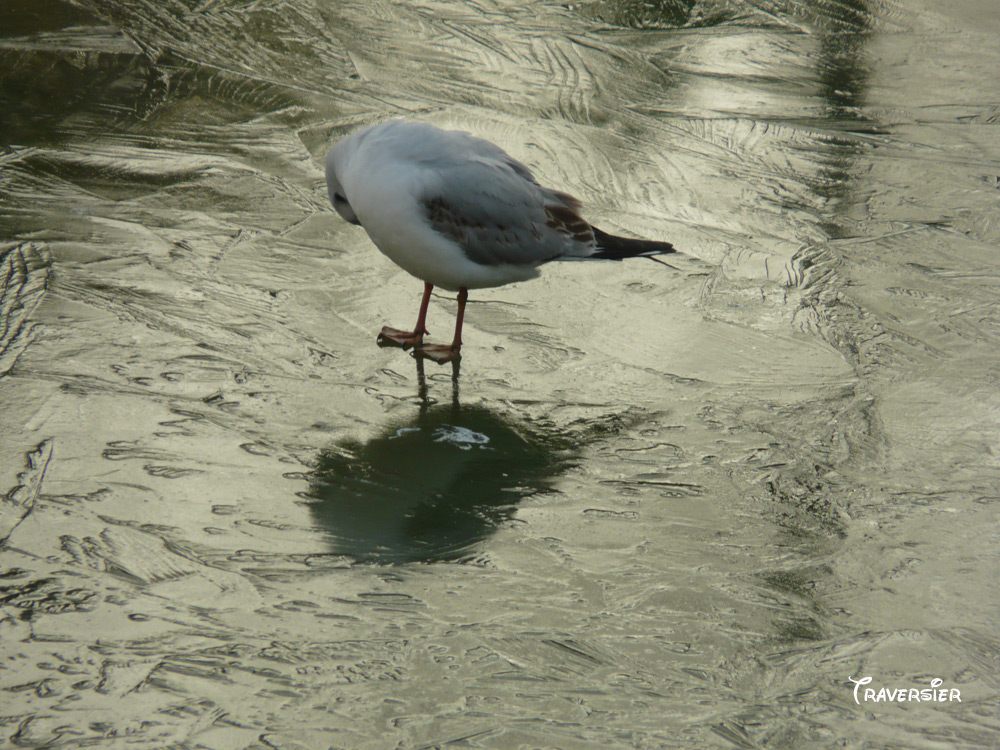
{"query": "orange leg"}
{"type": "Point", "coordinates": [406, 339]}
{"type": "Point", "coordinates": [442, 353]}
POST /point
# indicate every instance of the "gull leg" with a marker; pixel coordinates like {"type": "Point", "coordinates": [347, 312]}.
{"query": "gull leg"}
{"type": "Point", "coordinates": [406, 339]}
{"type": "Point", "coordinates": [442, 353]}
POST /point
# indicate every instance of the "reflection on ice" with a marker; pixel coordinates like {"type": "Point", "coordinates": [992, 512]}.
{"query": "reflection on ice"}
{"type": "Point", "coordinates": [431, 487]}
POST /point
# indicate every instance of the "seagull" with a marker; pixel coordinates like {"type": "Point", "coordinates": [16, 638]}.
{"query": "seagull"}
{"type": "Point", "coordinates": [459, 213]}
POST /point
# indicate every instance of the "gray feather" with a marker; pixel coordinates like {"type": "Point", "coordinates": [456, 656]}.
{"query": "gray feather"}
{"type": "Point", "coordinates": [491, 206]}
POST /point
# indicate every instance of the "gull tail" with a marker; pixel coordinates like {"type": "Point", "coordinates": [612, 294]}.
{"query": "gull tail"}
{"type": "Point", "coordinates": [611, 247]}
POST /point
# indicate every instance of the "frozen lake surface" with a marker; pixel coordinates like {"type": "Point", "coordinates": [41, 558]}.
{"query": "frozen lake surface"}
{"type": "Point", "coordinates": [656, 507]}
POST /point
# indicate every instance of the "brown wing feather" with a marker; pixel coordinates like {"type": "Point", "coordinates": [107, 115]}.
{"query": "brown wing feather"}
{"type": "Point", "coordinates": [566, 221]}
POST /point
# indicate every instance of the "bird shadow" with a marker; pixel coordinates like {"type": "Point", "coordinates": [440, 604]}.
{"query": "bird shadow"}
{"type": "Point", "coordinates": [430, 487]}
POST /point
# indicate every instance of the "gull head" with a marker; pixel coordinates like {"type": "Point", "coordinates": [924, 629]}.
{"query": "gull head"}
{"type": "Point", "coordinates": [334, 187]}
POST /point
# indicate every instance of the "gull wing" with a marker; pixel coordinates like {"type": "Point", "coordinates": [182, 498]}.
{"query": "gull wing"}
{"type": "Point", "coordinates": [491, 207]}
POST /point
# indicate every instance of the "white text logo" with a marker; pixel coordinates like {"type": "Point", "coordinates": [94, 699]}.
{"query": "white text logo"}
{"type": "Point", "coordinates": [896, 695]}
